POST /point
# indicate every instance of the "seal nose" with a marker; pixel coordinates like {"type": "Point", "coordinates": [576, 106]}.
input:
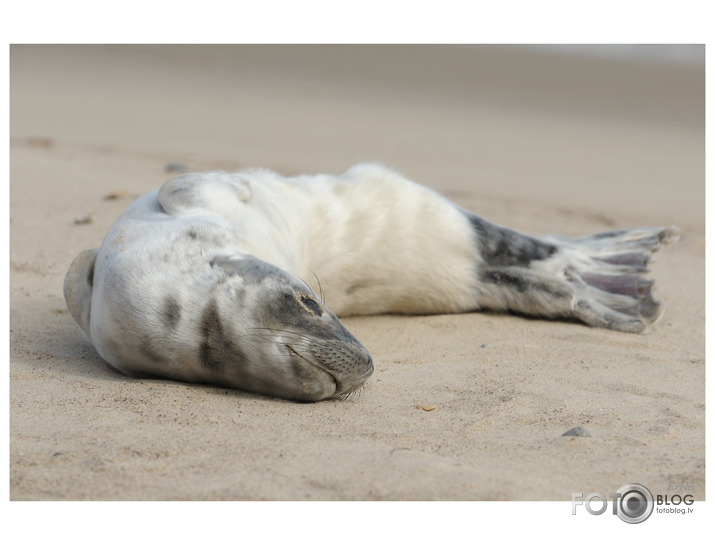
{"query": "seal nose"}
{"type": "Point", "coordinates": [358, 378]}
{"type": "Point", "coordinates": [347, 384]}
{"type": "Point", "coordinates": [347, 360]}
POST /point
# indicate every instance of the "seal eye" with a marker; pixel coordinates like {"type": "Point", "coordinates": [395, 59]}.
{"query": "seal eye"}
{"type": "Point", "coordinates": [311, 304]}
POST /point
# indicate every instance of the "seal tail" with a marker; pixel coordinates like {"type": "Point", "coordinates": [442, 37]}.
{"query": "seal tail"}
{"type": "Point", "coordinates": [598, 279]}
{"type": "Point", "coordinates": [78, 287]}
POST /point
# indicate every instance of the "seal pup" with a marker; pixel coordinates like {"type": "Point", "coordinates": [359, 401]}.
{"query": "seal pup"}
{"type": "Point", "coordinates": [214, 277]}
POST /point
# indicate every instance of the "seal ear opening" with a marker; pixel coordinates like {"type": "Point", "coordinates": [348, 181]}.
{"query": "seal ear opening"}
{"type": "Point", "coordinates": [78, 287]}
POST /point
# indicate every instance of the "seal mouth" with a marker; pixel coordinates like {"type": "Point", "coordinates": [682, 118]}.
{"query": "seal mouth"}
{"type": "Point", "coordinates": [336, 382]}
{"type": "Point", "coordinates": [354, 391]}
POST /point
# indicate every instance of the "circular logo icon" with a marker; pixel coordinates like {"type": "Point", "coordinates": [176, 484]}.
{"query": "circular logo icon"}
{"type": "Point", "coordinates": [635, 503]}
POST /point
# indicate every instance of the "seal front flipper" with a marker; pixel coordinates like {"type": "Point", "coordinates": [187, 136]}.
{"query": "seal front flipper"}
{"type": "Point", "coordinates": [218, 192]}
{"type": "Point", "coordinates": [78, 287]}
{"type": "Point", "coordinates": [599, 280]}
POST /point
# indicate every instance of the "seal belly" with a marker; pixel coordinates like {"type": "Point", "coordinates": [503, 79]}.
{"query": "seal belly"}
{"type": "Point", "coordinates": [379, 243]}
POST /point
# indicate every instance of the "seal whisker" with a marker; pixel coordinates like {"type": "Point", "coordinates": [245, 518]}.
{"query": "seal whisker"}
{"type": "Point", "coordinates": [294, 334]}
{"type": "Point", "coordinates": [298, 337]}
{"type": "Point", "coordinates": [351, 395]}
{"type": "Point", "coordinates": [320, 287]}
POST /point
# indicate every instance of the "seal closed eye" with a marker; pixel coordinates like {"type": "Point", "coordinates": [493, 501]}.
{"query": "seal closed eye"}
{"type": "Point", "coordinates": [200, 280]}
{"type": "Point", "coordinates": [311, 304]}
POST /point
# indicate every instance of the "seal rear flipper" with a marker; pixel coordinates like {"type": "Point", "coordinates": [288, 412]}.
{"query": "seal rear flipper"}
{"type": "Point", "coordinates": [612, 287]}
{"type": "Point", "coordinates": [599, 280]}
{"type": "Point", "coordinates": [78, 287]}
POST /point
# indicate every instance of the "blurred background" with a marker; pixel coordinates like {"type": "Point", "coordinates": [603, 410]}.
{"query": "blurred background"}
{"type": "Point", "coordinates": [606, 126]}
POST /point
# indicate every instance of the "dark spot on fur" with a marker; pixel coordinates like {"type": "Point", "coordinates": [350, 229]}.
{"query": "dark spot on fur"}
{"type": "Point", "coordinates": [524, 281]}
{"type": "Point", "coordinates": [212, 345]}
{"type": "Point", "coordinates": [192, 234]}
{"type": "Point", "coordinates": [502, 277]}
{"type": "Point", "coordinates": [502, 247]}
{"type": "Point", "coordinates": [217, 350]}
{"type": "Point", "coordinates": [172, 312]}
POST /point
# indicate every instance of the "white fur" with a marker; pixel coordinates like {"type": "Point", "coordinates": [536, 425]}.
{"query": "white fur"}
{"type": "Point", "coordinates": [352, 236]}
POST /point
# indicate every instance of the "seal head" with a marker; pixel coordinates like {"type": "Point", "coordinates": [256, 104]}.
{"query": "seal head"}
{"type": "Point", "coordinates": [291, 345]}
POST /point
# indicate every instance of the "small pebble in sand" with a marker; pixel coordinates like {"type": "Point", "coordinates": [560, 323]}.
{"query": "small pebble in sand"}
{"type": "Point", "coordinates": [426, 407]}
{"type": "Point", "coordinates": [578, 431]}
{"type": "Point", "coordinates": [114, 195]}
{"type": "Point", "coordinates": [40, 142]}
{"type": "Point", "coordinates": [177, 167]}
{"type": "Point", "coordinates": [89, 218]}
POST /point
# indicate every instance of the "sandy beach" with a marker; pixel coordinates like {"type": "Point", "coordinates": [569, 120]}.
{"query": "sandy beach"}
{"type": "Point", "coordinates": [540, 142]}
